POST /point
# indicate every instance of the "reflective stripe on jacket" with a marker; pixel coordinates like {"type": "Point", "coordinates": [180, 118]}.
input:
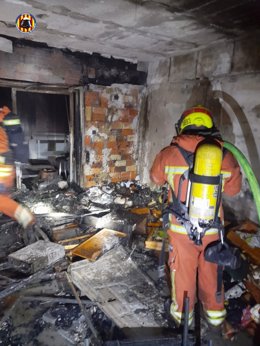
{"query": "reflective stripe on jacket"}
{"type": "Point", "coordinates": [181, 229]}
{"type": "Point", "coordinates": [12, 122]}
{"type": "Point", "coordinates": [12, 136]}
{"type": "Point", "coordinates": [169, 165]}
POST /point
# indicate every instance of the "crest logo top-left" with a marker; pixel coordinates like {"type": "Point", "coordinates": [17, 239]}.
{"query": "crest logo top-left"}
{"type": "Point", "coordinates": [25, 22]}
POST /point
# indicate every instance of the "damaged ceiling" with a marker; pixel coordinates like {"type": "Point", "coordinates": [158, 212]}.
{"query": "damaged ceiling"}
{"type": "Point", "coordinates": [139, 30]}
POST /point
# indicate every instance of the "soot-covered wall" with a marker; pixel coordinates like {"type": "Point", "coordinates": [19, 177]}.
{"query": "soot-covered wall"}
{"type": "Point", "coordinates": [225, 79]}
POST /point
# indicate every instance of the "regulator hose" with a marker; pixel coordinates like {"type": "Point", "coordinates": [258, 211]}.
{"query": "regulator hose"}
{"type": "Point", "coordinates": [253, 183]}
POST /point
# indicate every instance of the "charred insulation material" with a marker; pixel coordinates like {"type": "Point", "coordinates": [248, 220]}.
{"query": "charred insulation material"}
{"type": "Point", "coordinates": [124, 291]}
{"type": "Point", "coordinates": [35, 319]}
{"type": "Point", "coordinates": [11, 235]}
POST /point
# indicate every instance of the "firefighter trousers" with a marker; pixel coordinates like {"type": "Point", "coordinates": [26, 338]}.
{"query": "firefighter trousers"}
{"type": "Point", "coordinates": [187, 263]}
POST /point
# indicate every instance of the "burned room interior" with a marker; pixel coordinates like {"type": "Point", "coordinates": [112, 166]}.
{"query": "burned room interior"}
{"type": "Point", "coordinates": [98, 87]}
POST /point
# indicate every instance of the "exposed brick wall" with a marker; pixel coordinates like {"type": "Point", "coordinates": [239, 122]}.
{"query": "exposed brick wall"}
{"type": "Point", "coordinates": [111, 138]}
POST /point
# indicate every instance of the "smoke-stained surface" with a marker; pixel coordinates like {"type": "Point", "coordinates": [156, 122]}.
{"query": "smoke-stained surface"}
{"type": "Point", "coordinates": [142, 30]}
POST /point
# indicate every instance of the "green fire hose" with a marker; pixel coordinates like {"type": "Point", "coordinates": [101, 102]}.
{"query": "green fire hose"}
{"type": "Point", "coordinates": [253, 183]}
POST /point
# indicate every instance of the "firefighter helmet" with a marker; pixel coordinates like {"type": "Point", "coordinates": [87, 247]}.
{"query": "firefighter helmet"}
{"type": "Point", "coordinates": [197, 119]}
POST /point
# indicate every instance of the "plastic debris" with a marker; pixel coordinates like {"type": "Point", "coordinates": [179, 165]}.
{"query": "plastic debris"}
{"type": "Point", "coordinates": [63, 184]}
{"type": "Point", "coordinates": [255, 313]}
{"type": "Point", "coordinates": [235, 292]}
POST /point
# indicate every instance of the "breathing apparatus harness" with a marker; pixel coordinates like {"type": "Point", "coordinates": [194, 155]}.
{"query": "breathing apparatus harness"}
{"type": "Point", "coordinates": [181, 210]}
{"type": "Point", "coordinates": [199, 213]}
{"type": "Point", "coordinates": [218, 252]}
{"type": "Point", "coordinates": [194, 121]}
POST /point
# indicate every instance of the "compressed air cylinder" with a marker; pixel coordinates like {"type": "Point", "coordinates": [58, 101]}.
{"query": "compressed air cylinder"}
{"type": "Point", "coordinates": [203, 196]}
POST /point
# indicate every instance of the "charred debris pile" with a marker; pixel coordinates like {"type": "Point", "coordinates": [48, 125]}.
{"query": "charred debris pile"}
{"type": "Point", "coordinates": [87, 273]}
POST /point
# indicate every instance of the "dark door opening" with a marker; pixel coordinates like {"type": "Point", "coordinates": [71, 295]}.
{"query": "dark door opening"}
{"type": "Point", "coordinates": [45, 120]}
{"type": "Point", "coordinates": [52, 124]}
{"type": "Point", "coordinates": [6, 97]}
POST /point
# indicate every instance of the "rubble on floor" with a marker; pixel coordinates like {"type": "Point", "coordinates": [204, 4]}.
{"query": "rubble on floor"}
{"type": "Point", "coordinates": [123, 291]}
{"type": "Point", "coordinates": [242, 286]}
{"type": "Point", "coordinates": [91, 271]}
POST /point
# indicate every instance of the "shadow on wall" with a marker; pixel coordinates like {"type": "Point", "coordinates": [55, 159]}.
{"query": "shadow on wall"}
{"type": "Point", "coordinates": [240, 207]}
{"type": "Point", "coordinates": [245, 198]}
{"type": "Point", "coordinates": [245, 128]}
{"type": "Point", "coordinates": [202, 93]}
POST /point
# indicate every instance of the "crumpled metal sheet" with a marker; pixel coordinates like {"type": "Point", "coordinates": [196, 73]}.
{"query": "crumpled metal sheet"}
{"type": "Point", "coordinates": [125, 294]}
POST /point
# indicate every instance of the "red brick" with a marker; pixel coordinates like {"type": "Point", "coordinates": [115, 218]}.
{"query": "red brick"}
{"type": "Point", "coordinates": [90, 184]}
{"type": "Point", "coordinates": [115, 180]}
{"type": "Point", "coordinates": [95, 171]}
{"type": "Point", "coordinates": [124, 151]}
{"type": "Point", "coordinates": [98, 114]}
{"type": "Point", "coordinates": [133, 175]}
{"type": "Point", "coordinates": [127, 132]}
{"type": "Point", "coordinates": [124, 111]}
{"type": "Point", "coordinates": [92, 99]}
{"type": "Point", "coordinates": [117, 125]}
{"type": "Point", "coordinates": [115, 177]}
{"type": "Point", "coordinates": [120, 139]}
{"type": "Point", "coordinates": [131, 168]}
{"type": "Point", "coordinates": [127, 157]}
{"type": "Point", "coordinates": [115, 151]}
{"type": "Point", "coordinates": [125, 175]}
{"type": "Point", "coordinates": [103, 101]}
{"type": "Point", "coordinates": [111, 164]}
{"type": "Point", "coordinates": [98, 145]}
{"type": "Point", "coordinates": [87, 140]}
{"type": "Point", "coordinates": [123, 144]}
{"type": "Point", "coordinates": [112, 169]}
{"type": "Point", "coordinates": [130, 162]}
{"type": "Point", "coordinates": [89, 177]}
{"type": "Point", "coordinates": [124, 115]}
{"type": "Point", "coordinates": [99, 110]}
{"type": "Point", "coordinates": [120, 169]}
{"type": "Point", "coordinates": [88, 113]}
{"type": "Point", "coordinates": [99, 153]}
{"type": "Point", "coordinates": [112, 145]}
{"type": "Point", "coordinates": [97, 165]}
{"type": "Point", "coordinates": [99, 157]}
{"type": "Point", "coordinates": [98, 117]}
{"type": "Point", "coordinates": [133, 112]}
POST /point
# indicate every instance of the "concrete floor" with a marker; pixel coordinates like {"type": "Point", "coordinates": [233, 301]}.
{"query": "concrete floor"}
{"type": "Point", "coordinates": [241, 339]}
{"type": "Point", "coordinates": [30, 329]}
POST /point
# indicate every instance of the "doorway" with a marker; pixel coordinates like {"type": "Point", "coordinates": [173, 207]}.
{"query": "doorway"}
{"type": "Point", "coordinates": [51, 120]}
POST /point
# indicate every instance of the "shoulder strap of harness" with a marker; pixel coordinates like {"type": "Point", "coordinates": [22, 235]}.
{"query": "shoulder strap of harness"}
{"type": "Point", "coordinates": [179, 209]}
{"type": "Point", "coordinates": [187, 155]}
{"type": "Point", "coordinates": [176, 207]}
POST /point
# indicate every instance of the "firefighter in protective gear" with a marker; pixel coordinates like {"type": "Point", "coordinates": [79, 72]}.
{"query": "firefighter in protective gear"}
{"type": "Point", "coordinates": [186, 257]}
{"type": "Point", "coordinates": [10, 123]}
